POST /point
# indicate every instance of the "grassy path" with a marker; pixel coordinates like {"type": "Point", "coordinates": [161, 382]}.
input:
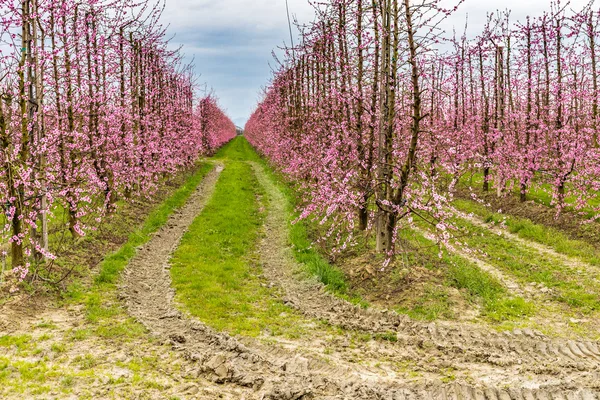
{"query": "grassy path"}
{"type": "Point", "coordinates": [218, 277]}
{"type": "Point", "coordinates": [214, 271]}
{"type": "Point", "coordinates": [261, 314]}
{"type": "Point", "coordinates": [87, 346]}
{"type": "Point", "coordinates": [250, 282]}
{"type": "Point", "coordinates": [557, 276]}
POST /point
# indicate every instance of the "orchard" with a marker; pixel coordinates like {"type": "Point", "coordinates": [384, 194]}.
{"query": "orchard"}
{"type": "Point", "coordinates": [95, 108]}
{"type": "Point", "coordinates": [412, 211]}
{"type": "Point", "coordinates": [379, 116]}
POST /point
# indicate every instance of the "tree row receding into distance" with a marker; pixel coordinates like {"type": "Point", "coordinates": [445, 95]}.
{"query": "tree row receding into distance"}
{"type": "Point", "coordinates": [380, 115]}
{"type": "Point", "coordinates": [94, 108]}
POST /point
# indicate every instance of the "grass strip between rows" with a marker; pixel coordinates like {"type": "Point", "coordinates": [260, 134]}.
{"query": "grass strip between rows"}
{"type": "Point", "coordinates": [479, 286]}
{"type": "Point", "coordinates": [305, 253]}
{"type": "Point", "coordinates": [314, 263]}
{"type": "Point", "coordinates": [215, 270]}
{"type": "Point", "coordinates": [526, 229]}
{"type": "Point", "coordinates": [528, 265]}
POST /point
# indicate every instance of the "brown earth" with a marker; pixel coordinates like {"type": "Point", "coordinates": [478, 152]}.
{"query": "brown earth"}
{"type": "Point", "coordinates": [532, 359]}
{"type": "Point", "coordinates": [517, 364]}
{"type": "Point", "coordinates": [572, 223]}
{"type": "Point", "coordinates": [415, 360]}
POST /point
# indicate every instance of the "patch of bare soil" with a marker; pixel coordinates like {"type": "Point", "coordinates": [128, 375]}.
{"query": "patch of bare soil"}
{"type": "Point", "coordinates": [526, 362]}
{"type": "Point", "coordinates": [60, 353]}
{"type": "Point", "coordinates": [403, 284]}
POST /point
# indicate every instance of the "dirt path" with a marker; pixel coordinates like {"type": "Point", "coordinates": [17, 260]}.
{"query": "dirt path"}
{"type": "Point", "coordinates": [524, 359]}
{"type": "Point", "coordinates": [53, 348]}
{"type": "Point", "coordinates": [260, 372]}
{"type": "Point", "coordinates": [582, 269]}
{"type": "Point", "coordinates": [192, 361]}
{"type": "Point", "coordinates": [149, 297]}
{"type": "Point", "coordinates": [60, 353]}
{"type": "Point", "coordinates": [532, 366]}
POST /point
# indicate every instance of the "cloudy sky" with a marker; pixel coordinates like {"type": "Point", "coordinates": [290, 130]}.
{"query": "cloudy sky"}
{"type": "Point", "coordinates": [232, 41]}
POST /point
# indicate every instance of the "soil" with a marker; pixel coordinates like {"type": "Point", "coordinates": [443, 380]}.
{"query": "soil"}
{"type": "Point", "coordinates": [404, 359]}
{"type": "Point", "coordinates": [400, 285]}
{"type": "Point", "coordinates": [527, 357]}
{"type": "Point", "coordinates": [570, 223]}
{"type": "Point", "coordinates": [99, 368]}
{"type": "Point", "coordinates": [487, 362]}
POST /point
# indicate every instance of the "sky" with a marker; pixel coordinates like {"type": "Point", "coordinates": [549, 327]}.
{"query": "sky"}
{"type": "Point", "coordinates": [231, 41]}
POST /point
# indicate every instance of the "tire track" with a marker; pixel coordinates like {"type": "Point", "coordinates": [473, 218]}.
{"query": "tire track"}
{"type": "Point", "coordinates": [251, 371]}
{"type": "Point", "coordinates": [254, 373]}
{"type": "Point", "coordinates": [578, 267]}
{"type": "Point", "coordinates": [568, 364]}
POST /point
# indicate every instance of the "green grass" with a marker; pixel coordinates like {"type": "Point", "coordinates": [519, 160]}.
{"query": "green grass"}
{"type": "Point", "coordinates": [100, 302]}
{"type": "Point", "coordinates": [58, 347]}
{"type": "Point", "coordinates": [435, 303]}
{"type": "Point", "coordinates": [300, 238]}
{"type": "Point", "coordinates": [22, 376]}
{"type": "Point", "coordinates": [238, 150]}
{"type": "Point", "coordinates": [529, 230]}
{"type": "Point", "coordinates": [479, 286]}
{"type": "Point", "coordinates": [316, 265]}
{"type": "Point", "coordinates": [528, 265]}
{"type": "Point", "coordinates": [21, 342]}
{"type": "Point", "coordinates": [539, 193]}
{"type": "Point", "coordinates": [214, 270]}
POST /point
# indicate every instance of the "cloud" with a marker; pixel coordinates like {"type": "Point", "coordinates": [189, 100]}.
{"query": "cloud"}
{"type": "Point", "coordinates": [256, 14]}
{"type": "Point", "coordinates": [231, 41]}
{"type": "Point", "coordinates": [477, 10]}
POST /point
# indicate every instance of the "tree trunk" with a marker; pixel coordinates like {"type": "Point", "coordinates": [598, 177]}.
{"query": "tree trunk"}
{"type": "Point", "coordinates": [18, 193]}
{"type": "Point", "coordinates": [388, 83]}
{"type": "Point", "coordinates": [485, 127]}
{"type": "Point", "coordinates": [69, 196]}
{"type": "Point", "coordinates": [592, 37]}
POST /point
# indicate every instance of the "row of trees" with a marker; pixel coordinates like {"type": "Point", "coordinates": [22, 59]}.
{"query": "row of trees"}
{"type": "Point", "coordinates": [94, 107]}
{"type": "Point", "coordinates": [379, 113]}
